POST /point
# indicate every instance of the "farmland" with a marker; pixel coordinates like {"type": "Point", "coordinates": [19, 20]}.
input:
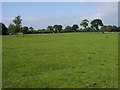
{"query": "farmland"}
{"type": "Point", "coordinates": [61, 60]}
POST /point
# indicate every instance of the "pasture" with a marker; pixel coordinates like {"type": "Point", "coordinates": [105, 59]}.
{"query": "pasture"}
{"type": "Point", "coordinates": [64, 60]}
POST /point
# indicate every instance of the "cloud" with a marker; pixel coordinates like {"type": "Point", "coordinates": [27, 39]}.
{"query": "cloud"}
{"type": "Point", "coordinates": [108, 12]}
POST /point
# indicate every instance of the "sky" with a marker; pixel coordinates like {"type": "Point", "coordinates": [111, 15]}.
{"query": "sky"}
{"type": "Point", "coordinates": [42, 14]}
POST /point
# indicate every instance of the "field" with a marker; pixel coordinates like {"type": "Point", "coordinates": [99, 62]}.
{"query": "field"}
{"type": "Point", "coordinates": [65, 60]}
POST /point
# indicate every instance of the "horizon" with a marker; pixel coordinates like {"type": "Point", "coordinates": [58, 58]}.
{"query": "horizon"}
{"type": "Point", "coordinates": [39, 15]}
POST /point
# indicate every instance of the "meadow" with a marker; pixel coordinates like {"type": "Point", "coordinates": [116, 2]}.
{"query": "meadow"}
{"type": "Point", "coordinates": [63, 60]}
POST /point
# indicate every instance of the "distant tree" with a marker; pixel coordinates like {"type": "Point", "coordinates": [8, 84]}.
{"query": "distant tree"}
{"type": "Point", "coordinates": [75, 27]}
{"type": "Point", "coordinates": [103, 29]}
{"type": "Point", "coordinates": [43, 29]}
{"type": "Point", "coordinates": [50, 28]}
{"type": "Point", "coordinates": [31, 29]}
{"type": "Point", "coordinates": [57, 28]}
{"type": "Point", "coordinates": [68, 29]}
{"type": "Point", "coordinates": [114, 28]}
{"type": "Point", "coordinates": [96, 23]}
{"type": "Point", "coordinates": [84, 23]}
{"type": "Point", "coordinates": [25, 29]}
{"type": "Point", "coordinates": [80, 30]}
{"type": "Point", "coordinates": [110, 28]}
{"type": "Point", "coordinates": [3, 29]}
{"type": "Point", "coordinates": [12, 29]}
{"type": "Point", "coordinates": [88, 29]}
{"type": "Point", "coordinates": [118, 29]}
{"type": "Point", "coordinates": [17, 21]}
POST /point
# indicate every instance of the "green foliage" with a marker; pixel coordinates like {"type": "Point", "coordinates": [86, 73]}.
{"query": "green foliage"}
{"type": "Point", "coordinates": [16, 27]}
{"type": "Point", "coordinates": [25, 29]}
{"type": "Point", "coordinates": [12, 29]}
{"type": "Point", "coordinates": [84, 23]}
{"type": "Point", "coordinates": [68, 29]}
{"type": "Point", "coordinates": [31, 29]}
{"type": "Point", "coordinates": [75, 27]}
{"type": "Point", "coordinates": [110, 28]}
{"type": "Point", "coordinates": [64, 60]}
{"type": "Point", "coordinates": [57, 28]}
{"type": "Point", "coordinates": [17, 21]}
{"type": "Point", "coordinates": [87, 29]}
{"type": "Point", "coordinates": [50, 28]}
{"type": "Point", "coordinates": [3, 29]}
{"type": "Point", "coordinates": [96, 23]}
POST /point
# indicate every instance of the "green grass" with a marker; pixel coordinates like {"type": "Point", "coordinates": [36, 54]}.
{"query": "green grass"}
{"type": "Point", "coordinates": [66, 60]}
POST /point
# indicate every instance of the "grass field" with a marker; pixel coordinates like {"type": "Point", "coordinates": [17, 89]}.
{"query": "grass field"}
{"type": "Point", "coordinates": [66, 60]}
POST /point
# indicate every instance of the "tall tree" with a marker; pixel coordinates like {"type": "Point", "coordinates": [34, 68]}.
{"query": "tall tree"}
{"type": "Point", "coordinates": [17, 21]}
{"type": "Point", "coordinates": [96, 23]}
{"type": "Point", "coordinates": [84, 23]}
{"type": "Point", "coordinates": [75, 27]}
{"type": "Point", "coordinates": [3, 29]}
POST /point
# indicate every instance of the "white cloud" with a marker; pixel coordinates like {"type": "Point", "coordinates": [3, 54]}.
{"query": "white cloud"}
{"type": "Point", "coordinates": [108, 12]}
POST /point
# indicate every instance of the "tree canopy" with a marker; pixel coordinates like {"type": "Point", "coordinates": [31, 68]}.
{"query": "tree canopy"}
{"type": "Point", "coordinates": [57, 28]}
{"type": "Point", "coordinates": [3, 29]}
{"type": "Point", "coordinates": [75, 27]}
{"type": "Point", "coordinates": [50, 28]}
{"type": "Point", "coordinates": [96, 23]}
{"type": "Point", "coordinates": [25, 29]}
{"type": "Point", "coordinates": [84, 23]}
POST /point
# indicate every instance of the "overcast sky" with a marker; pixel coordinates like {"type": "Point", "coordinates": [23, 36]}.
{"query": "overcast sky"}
{"type": "Point", "coordinates": [41, 14]}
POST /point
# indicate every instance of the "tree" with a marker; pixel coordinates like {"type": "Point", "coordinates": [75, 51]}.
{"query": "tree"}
{"type": "Point", "coordinates": [17, 21]}
{"type": "Point", "coordinates": [57, 28]}
{"type": "Point", "coordinates": [75, 27]}
{"type": "Point", "coordinates": [103, 29]}
{"type": "Point", "coordinates": [96, 23]}
{"type": "Point", "coordinates": [88, 29]}
{"type": "Point", "coordinates": [84, 23]}
{"type": "Point", "coordinates": [25, 29]}
{"type": "Point", "coordinates": [50, 28]}
{"type": "Point", "coordinates": [118, 29]}
{"type": "Point", "coordinates": [12, 29]}
{"type": "Point", "coordinates": [108, 28]}
{"type": "Point", "coordinates": [31, 29]}
{"type": "Point", "coordinates": [3, 29]}
{"type": "Point", "coordinates": [114, 28]}
{"type": "Point", "coordinates": [68, 29]}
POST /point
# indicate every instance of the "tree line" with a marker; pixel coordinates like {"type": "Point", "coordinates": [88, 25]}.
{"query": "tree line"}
{"type": "Point", "coordinates": [96, 25]}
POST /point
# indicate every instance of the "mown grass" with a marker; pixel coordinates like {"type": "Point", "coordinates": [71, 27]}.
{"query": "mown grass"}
{"type": "Point", "coordinates": [66, 60]}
